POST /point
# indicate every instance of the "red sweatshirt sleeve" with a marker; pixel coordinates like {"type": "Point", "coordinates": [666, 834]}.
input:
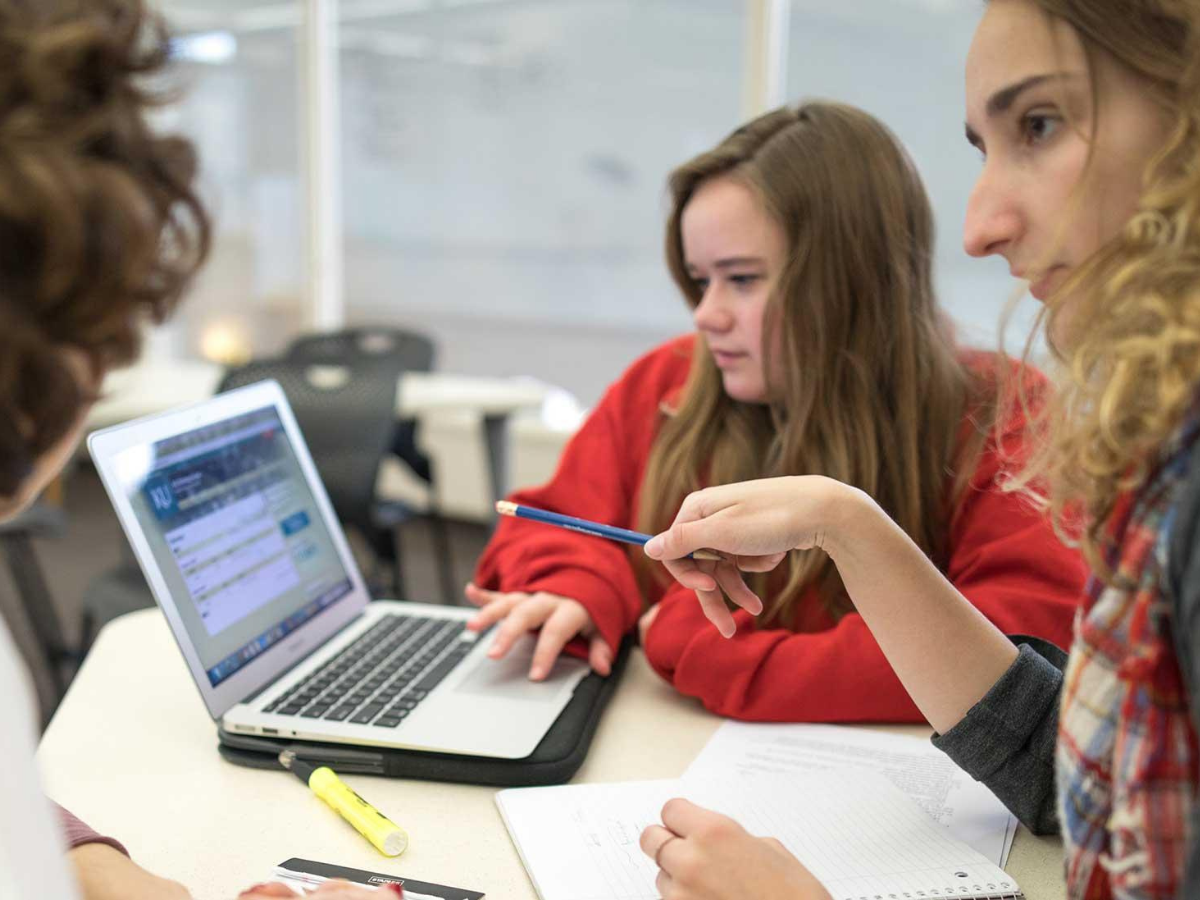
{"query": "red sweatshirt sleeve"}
{"type": "Point", "coordinates": [1004, 558]}
{"type": "Point", "coordinates": [598, 477]}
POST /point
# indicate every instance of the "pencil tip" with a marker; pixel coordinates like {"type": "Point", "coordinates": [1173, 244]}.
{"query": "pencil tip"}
{"type": "Point", "coordinates": [506, 507]}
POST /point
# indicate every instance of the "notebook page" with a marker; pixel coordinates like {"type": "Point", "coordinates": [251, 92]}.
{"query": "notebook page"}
{"type": "Point", "coordinates": [856, 832]}
{"type": "Point", "coordinates": [580, 842]}
{"type": "Point", "coordinates": [950, 796]}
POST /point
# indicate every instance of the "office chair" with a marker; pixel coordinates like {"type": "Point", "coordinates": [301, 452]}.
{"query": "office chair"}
{"type": "Point", "coordinates": [346, 413]}
{"type": "Point", "coordinates": [412, 352]}
{"type": "Point", "coordinates": [51, 655]}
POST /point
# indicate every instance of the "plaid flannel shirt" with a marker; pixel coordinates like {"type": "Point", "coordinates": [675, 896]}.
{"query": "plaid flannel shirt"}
{"type": "Point", "coordinates": [1126, 762]}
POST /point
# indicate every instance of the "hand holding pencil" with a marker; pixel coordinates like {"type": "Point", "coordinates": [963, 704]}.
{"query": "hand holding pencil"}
{"type": "Point", "coordinates": [585, 526]}
{"type": "Point", "coordinates": [559, 619]}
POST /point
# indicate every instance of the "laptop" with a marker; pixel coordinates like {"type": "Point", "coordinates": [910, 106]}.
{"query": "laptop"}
{"type": "Point", "coordinates": [237, 539]}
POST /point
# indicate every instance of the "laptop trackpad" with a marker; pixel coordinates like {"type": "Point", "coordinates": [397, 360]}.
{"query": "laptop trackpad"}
{"type": "Point", "coordinates": [509, 677]}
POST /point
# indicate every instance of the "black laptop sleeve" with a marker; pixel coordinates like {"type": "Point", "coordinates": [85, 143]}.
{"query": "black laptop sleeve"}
{"type": "Point", "coordinates": [553, 761]}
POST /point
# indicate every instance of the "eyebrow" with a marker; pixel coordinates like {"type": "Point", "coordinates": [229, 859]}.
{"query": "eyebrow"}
{"type": "Point", "coordinates": [1001, 101]}
{"type": "Point", "coordinates": [731, 262]}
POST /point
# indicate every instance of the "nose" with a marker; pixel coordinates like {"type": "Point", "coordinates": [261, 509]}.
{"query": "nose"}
{"type": "Point", "coordinates": [712, 313]}
{"type": "Point", "coordinates": [993, 223]}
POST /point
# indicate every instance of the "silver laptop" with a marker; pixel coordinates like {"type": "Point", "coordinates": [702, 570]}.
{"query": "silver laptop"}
{"type": "Point", "coordinates": [235, 534]}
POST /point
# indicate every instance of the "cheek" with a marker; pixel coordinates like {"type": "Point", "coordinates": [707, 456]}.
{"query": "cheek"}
{"type": "Point", "coordinates": [1116, 193]}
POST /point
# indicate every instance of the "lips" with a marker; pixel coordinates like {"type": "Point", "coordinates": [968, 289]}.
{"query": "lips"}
{"type": "Point", "coordinates": [1043, 286]}
{"type": "Point", "coordinates": [725, 358]}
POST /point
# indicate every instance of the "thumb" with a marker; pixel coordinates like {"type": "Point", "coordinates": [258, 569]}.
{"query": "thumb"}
{"type": "Point", "coordinates": [677, 541]}
{"type": "Point", "coordinates": [600, 655]}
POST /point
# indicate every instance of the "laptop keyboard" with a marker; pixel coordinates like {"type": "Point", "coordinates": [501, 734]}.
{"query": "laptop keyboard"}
{"type": "Point", "coordinates": [382, 676]}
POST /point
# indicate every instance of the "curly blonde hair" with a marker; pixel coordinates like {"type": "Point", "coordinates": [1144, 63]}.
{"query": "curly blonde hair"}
{"type": "Point", "coordinates": [1130, 370]}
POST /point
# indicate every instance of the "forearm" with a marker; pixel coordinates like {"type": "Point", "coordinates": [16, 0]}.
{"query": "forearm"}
{"type": "Point", "coordinates": [944, 650]}
{"type": "Point", "coordinates": [106, 874]}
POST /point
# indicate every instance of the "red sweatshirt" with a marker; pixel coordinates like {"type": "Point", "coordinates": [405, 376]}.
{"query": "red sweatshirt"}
{"type": "Point", "coordinates": [1003, 557]}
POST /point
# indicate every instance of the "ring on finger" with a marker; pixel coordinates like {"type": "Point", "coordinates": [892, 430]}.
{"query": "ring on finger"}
{"type": "Point", "coordinates": [661, 847]}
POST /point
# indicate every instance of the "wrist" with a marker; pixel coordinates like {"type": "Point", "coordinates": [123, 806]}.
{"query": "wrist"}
{"type": "Point", "coordinates": [846, 515]}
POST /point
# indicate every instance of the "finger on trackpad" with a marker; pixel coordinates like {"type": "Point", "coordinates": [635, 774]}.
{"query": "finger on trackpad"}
{"type": "Point", "coordinates": [510, 676]}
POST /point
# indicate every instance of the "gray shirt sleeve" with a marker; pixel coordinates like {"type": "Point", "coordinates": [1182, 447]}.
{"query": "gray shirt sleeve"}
{"type": "Point", "coordinates": [1007, 739]}
{"type": "Point", "coordinates": [1183, 585]}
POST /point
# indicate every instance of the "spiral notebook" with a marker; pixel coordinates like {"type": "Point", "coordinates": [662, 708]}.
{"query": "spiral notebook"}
{"type": "Point", "coordinates": [855, 831]}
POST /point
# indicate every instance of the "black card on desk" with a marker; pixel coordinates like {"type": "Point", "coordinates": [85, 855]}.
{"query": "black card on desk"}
{"type": "Point", "coordinates": [412, 887]}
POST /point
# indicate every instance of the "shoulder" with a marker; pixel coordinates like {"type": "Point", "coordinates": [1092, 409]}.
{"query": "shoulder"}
{"type": "Point", "coordinates": [991, 373]}
{"type": "Point", "coordinates": [672, 358]}
{"type": "Point", "coordinates": [658, 374]}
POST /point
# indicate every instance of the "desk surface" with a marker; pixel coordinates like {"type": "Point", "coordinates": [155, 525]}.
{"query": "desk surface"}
{"type": "Point", "coordinates": [153, 386]}
{"type": "Point", "coordinates": [133, 752]}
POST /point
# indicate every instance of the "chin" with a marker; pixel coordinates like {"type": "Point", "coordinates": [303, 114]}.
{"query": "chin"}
{"type": "Point", "coordinates": [743, 392]}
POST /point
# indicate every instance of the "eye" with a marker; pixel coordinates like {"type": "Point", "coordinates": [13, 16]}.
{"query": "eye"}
{"type": "Point", "coordinates": [1037, 128]}
{"type": "Point", "coordinates": [700, 286]}
{"type": "Point", "coordinates": [744, 280]}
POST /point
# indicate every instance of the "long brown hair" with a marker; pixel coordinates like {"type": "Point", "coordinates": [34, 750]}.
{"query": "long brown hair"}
{"type": "Point", "coordinates": [100, 227]}
{"type": "Point", "coordinates": [1130, 368]}
{"type": "Point", "coordinates": [873, 392]}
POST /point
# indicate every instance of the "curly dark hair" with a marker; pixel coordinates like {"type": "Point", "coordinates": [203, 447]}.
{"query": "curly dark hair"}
{"type": "Point", "coordinates": [101, 227]}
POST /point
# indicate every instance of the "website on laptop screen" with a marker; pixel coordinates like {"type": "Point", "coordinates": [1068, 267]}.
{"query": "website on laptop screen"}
{"type": "Point", "coordinates": [237, 535]}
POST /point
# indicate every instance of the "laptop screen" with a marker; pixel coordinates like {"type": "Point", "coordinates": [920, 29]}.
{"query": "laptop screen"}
{"type": "Point", "coordinates": [237, 534]}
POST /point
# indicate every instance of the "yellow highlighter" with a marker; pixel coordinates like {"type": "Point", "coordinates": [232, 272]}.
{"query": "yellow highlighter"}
{"type": "Point", "coordinates": [388, 837]}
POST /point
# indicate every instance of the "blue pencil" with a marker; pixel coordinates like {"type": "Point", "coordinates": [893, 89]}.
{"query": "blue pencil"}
{"type": "Point", "coordinates": [595, 529]}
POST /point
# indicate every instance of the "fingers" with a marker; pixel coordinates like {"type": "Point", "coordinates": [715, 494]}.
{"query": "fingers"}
{"type": "Point", "coordinates": [496, 609]}
{"type": "Point", "coordinates": [678, 541]}
{"type": "Point", "coordinates": [662, 883]}
{"type": "Point", "coordinates": [263, 891]}
{"type": "Point", "coordinates": [344, 890]}
{"type": "Point", "coordinates": [480, 596]}
{"type": "Point", "coordinates": [715, 610]}
{"type": "Point", "coordinates": [524, 615]}
{"type": "Point", "coordinates": [654, 842]}
{"type": "Point", "coordinates": [690, 574]}
{"type": "Point", "coordinates": [760, 563]}
{"type": "Point", "coordinates": [600, 655]}
{"type": "Point", "coordinates": [730, 580]}
{"type": "Point", "coordinates": [685, 818]}
{"type": "Point", "coordinates": [564, 622]}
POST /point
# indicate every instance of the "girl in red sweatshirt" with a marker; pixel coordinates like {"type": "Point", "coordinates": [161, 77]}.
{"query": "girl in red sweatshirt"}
{"type": "Point", "coordinates": [803, 244]}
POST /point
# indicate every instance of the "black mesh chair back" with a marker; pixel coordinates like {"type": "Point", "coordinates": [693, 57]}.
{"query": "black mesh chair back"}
{"type": "Point", "coordinates": [411, 350]}
{"type": "Point", "coordinates": [346, 413]}
{"type": "Point", "coordinates": [414, 351]}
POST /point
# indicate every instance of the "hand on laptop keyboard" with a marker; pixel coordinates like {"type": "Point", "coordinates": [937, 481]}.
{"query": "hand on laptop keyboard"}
{"type": "Point", "coordinates": [559, 618]}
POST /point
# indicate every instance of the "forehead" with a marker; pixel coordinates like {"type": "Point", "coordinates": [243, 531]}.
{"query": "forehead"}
{"type": "Point", "coordinates": [1016, 40]}
{"type": "Point", "coordinates": [725, 210]}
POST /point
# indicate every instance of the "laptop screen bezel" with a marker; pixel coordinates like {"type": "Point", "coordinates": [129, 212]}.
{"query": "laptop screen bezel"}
{"type": "Point", "coordinates": [107, 445]}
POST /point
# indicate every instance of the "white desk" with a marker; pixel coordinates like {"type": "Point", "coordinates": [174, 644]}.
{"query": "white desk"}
{"type": "Point", "coordinates": [154, 385]}
{"type": "Point", "coordinates": [133, 752]}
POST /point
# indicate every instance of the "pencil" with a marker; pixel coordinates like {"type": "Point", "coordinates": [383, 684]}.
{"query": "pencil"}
{"type": "Point", "coordinates": [595, 529]}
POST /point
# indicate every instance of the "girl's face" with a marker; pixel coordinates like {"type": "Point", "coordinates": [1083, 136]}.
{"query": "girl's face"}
{"type": "Point", "coordinates": [734, 251]}
{"type": "Point", "coordinates": [1029, 112]}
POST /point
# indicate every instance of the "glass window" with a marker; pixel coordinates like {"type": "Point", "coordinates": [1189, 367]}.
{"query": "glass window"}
{"type": "Point", "coordinates": [903, 61]}
{"type": "Point", "coordinates": [241, 104]}
{"type": "Point", "coordinates": [504, 170]}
